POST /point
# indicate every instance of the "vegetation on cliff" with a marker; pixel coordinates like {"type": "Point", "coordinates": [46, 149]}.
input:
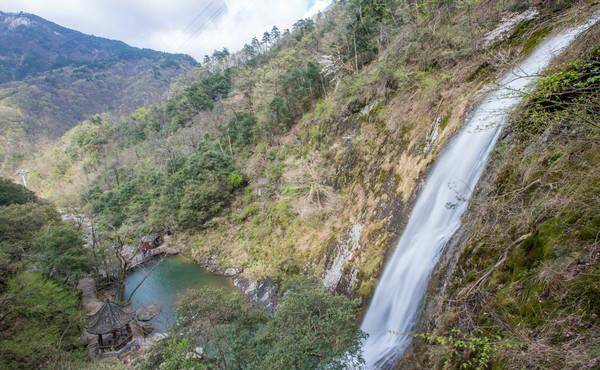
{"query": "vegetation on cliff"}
{"type": "Point", "coordinates": [272, 154]}
{"type": "Point", "coordinates": [527, 277]}
{"type": "Point", "coordinates": [311, 329]}
{"type": "Point", "coordinates": [40, 320]}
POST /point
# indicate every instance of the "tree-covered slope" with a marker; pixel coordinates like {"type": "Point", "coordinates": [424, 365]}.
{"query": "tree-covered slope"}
{"type": "Point", "coordinates": [298, 151]}
{"type": "Point", "coordinates": [52, 77]}
{"type": "Point", "coordinates": [41, 258]}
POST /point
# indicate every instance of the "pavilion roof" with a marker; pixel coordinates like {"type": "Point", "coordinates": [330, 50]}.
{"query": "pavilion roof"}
{"type": "Point", "coordinates": [109, 317]}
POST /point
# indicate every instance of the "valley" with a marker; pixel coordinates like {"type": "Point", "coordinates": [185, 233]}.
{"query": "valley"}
{"type": "Point", "coordinates": [387, 184]}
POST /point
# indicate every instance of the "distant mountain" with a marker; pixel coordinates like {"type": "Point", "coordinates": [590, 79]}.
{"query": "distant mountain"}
{"type": "Point", "coordinates": [30, 45]}
{"type": "Point", "coordinates": [52, 77]}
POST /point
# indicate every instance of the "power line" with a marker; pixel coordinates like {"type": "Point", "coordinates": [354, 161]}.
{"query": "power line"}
{"type": "Point", "coordinates": [190, 25]}
{"type": "Point", "coordinates": [216, 14]}
{"type": "Point", "coordinates": [199, 16]}
{"type": "Point", "coordinates": [220, 10]}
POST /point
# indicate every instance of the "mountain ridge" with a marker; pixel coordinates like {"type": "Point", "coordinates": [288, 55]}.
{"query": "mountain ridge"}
{"type": "Point", "coordinates": [52, 77]}
{"type": "Point", "coordinates": [21, 31]}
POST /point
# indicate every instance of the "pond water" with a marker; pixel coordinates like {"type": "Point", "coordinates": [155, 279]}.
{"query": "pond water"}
{"type": "Point", "coordinates": [172, 277]}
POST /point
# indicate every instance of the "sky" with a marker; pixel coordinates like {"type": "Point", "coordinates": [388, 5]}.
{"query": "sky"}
{"type": "Point", "coordinates": [194, 27]}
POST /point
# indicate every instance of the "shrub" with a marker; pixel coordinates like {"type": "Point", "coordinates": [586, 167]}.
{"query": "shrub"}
{"type": "Point", "coordinates": [240, 129]}
{"type": "Point", "coordinates": [175, 354]}
{"type": "Point", "coordinates": [12, 193]}
{"type": "Point", "coordinates": [198, 97]}
{"type": "Point", "coordinates": [43, 323]}
{"type": "Point", "coordinates": [200, 203]}
{"type": "Point", "coordinates": [61, 252]}
{"type": "Point", "coordinates": [235, 180]}
{"type": "Point", "coordinates": [464, 352]}
{"type": "Point", "coordinates": [311, 329]}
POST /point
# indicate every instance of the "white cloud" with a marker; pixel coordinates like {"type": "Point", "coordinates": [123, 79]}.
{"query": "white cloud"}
{"type": "Point", "coordinates": [194, 27]}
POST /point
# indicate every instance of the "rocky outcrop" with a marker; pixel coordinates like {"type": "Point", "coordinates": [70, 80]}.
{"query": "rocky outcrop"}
{"type": "Point", "coordinates": [147, 313]}
{"type": "Point", "coordinates": [344, 252]}
{"type": "Point", "coordinates": [262, 293]}
{"type": "Point", "coordinates": [507, 26]}
{"type": "Point", "coordinates": [212, 264]}
{"type": "Point", "coordinates": [81, 221]}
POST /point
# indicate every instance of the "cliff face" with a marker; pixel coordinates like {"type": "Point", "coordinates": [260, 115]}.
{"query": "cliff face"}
{"type": "Point", "coordinates": [518, 286]}
{"type": "Point", "coordinates": [396, 132]}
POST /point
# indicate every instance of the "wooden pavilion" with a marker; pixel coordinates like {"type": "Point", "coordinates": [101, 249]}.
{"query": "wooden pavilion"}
{"type": "Point", "coordinates": [111, 323]}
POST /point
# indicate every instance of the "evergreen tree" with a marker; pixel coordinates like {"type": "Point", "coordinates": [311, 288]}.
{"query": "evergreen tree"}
{"type": "Point", "coordinates": [275, 33]}
{"type": "Point", "coordinates": [266, 39]}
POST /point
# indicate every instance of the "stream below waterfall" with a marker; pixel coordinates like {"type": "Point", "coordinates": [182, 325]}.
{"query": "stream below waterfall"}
{"type": "Point", "coordinates": [436, 216]}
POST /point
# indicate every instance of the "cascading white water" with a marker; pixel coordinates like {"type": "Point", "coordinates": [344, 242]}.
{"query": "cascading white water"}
{"type": "Point", "coordinates": [437, 212]}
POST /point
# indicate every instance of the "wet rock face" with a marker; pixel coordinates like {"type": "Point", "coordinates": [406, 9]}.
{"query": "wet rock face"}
{"type": "Point", "coordinates": [344, 253]}
{"type": "Point", "coordinates": [262, 293]}
{"type": "Point", "coordinates": [507, 26]}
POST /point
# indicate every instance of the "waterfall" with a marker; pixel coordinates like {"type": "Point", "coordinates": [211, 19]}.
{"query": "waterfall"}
{"type": "Point", "coordinates": [436, 215]}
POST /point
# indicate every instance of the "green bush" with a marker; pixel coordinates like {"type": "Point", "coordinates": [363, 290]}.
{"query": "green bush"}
{"type": "Point", "coordinates": [464, 352]}
{"type": "Point", "coordinates": [41, 324]}
{"type": "Point", "coordinates": [12, 193]}
{"type": "Point", "coordinates": [311, 329]}
{"type": "Point", "coordinates": [240, 129]}
{"type": "Point", "coordinates": [224, 322]}
{"type": "Point", "coordinates": [61, 252]}
{"type": "Point", "coordinates": [200, 203]}
{"type": "Point", "coordinates": [299, 86]}
{"type": "Point", "coordinates": [19, 224]}
{"type": "Point", "coordinates": [174, 354]}
{"type": "Point", "coordinates": [235, 180]}
{"type": "Point", "coordinates": [197, 97]}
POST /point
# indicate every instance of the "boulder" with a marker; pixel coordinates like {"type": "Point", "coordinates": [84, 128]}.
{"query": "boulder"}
{"type": "Point", "coordinates": [148, 313]}
{"type": "Point", "coordinates": [262, 293]}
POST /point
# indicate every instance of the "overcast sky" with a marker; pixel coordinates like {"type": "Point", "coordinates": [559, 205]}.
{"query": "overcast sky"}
{"type": "Point", "coordinates": [194, 27]}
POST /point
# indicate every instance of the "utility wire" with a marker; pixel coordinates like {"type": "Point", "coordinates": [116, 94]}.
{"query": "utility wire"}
{"type": "Point", "coordinates": [216, 13]}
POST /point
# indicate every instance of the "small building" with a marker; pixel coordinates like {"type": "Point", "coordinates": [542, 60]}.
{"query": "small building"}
{"type": "Point", "coordinates": [151, 241]}
{"type": "Point", "coordinates": [112, 324]}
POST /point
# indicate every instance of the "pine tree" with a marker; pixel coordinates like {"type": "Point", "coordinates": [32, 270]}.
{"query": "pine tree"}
{"type": "Point", "coordinates": [275, 33]}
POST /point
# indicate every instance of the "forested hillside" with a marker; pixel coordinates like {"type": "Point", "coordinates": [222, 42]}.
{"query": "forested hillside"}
{"type": "Point", "coordinates": [52, 77]}
{"type": "Point", "coordinates": [302, 154]}
{"type": "Point", "coordinates": [40, 260]}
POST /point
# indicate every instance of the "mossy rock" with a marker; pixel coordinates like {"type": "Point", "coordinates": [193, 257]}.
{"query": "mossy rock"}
{"type": "Point", "coordinates": [366, 288]}
{"type": "Point", "coordinates": [535, 39]}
